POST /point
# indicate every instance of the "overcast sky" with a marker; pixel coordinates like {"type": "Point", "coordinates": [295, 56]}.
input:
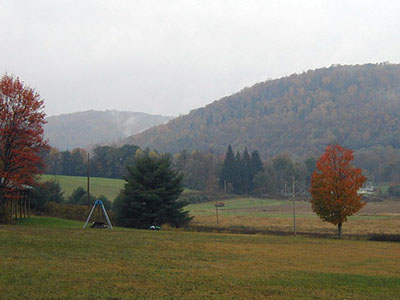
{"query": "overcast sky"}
{"type": "Point", "coordinates": [169, 57]}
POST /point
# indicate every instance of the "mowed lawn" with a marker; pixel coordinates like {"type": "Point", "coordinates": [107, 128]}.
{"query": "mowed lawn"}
{"type": "Point", "coordinates": [98, 186]}
{"type": "Point", "coordinates": [47, 258]}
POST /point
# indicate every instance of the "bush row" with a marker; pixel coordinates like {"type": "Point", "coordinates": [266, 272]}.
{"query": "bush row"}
{"type": "Point", "coordinates": [385, 237]}
{"type": "Point", "coordinates": [73, 212]}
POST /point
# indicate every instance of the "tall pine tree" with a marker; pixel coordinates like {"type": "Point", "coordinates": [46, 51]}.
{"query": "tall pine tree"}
{"type": "Point", "coordinates": [240, 170]}
{"type": "Point", "coordinates": [237, 181]}
{"type": "Point", "coordinates": [228, 171]}
{"type": "Point", "coordinates": [256, 166]}
{"type": "Point", "coordinates": [246, 172]}
{"type": "Point", "coordinates": [150, 196]}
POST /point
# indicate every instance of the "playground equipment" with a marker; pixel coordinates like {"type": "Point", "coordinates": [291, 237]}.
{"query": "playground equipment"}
{"type": "Point", "coordinates": [98, 224]}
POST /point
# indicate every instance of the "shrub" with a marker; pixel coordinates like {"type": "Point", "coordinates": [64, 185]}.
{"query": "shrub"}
{"type": "Point", "coordinates": [79, 196]}
{"type": "Point", "coordinates": [72, 212]}
{"type": "Point", "coordinates": [107, 203]}
{"type": "Point", "coordinates": [45, 192]}
{"type": "Point", "coordinates": [385, 237]}
{"type": "Point", "coordinates": [394, 190]}
{"type": "Point", "coordinates": [66, 211]}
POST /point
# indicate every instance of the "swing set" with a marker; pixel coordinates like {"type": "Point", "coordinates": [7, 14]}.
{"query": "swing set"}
{"type": "Point", "coordinates": [98, 224]}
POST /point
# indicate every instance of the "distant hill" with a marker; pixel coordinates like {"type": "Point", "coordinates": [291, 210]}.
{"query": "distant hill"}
{"type": "Point", "coordinates": [82, 129]}
{"type": "Point", "coordinates": [357, 106]}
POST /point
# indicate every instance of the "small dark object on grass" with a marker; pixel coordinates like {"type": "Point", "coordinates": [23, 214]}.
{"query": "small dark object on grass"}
{"type": "Point", "coordinates": [153, 227]}
{"type": "Point", "coordinates": [385, 237]}
{"type": "Point", "coordinates": [99, 225]}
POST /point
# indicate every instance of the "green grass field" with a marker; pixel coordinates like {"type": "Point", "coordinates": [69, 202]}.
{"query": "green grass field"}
{"type": "Point", "coordinates": [56, 259]}
{"type": "Point", "coordinates": [264, 214]}
{"type": "Point", "coordinates": [98, 186]}
{"type": "Point", "coordinates": [237, 206]}
{"type": "Point", "coordinates": [108, 187]}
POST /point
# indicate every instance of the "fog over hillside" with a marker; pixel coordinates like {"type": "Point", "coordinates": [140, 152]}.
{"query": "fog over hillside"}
{"type": "Point", "coordinates": [83, 129]}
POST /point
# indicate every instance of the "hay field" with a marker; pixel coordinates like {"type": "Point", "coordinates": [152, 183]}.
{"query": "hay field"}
{"type": "Point", "coordinates": [277, 215]}
{"type": "Point", "coordinates": [56, 259]}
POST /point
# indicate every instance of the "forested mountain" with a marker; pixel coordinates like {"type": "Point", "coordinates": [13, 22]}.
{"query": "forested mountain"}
{"type": "Point", "coordinates": [356, 106]}
{"type": "Point", "coordinates": [82, 129]}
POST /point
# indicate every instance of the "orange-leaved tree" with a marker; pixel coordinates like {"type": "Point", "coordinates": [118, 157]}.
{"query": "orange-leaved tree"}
{"type": "Point", "coordinates": [334, 186]}
{"type": "Point", "coordinates": [21, 135]}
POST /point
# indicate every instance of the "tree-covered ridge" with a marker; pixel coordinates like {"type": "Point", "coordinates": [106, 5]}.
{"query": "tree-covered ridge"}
{"type": "Point", "coordinates": [356, 106]}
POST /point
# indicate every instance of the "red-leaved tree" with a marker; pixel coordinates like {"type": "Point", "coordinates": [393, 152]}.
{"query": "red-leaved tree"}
{"type": "Point", "coordinates": [334, 186]}
{"type": "Point", "coordinates": [21, 135]}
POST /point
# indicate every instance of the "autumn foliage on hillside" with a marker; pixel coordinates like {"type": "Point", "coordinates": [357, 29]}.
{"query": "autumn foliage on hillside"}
{"type": "Point", "coordinates": [334, 186]}
{"type": "Point", "coordinates": [21, 135]}
{"type": "Point", "coordinates": [355, 105]}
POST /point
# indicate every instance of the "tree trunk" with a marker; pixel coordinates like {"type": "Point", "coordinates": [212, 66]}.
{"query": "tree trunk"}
{"type": "Point", "coordinates": [339, 226]}
{"type": "Point", "coordinates": [2, 199]}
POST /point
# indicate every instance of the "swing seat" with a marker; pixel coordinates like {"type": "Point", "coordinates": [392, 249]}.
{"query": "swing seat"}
{"type": "Point", "coordinates": [99, 225]}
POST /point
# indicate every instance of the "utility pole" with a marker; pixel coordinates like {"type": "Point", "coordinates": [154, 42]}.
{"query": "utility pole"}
{"type": "Point", "coordinates": [88, 180]}
{"type": "Point", "coordinates": [216, 211]}
{"type": "Point", "coordinates": [294, 210]}
{"type": "Point", "coordinates": [285, 188]}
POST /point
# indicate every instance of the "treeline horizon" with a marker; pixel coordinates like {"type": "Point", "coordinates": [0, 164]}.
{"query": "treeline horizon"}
{"type": "Point", "coordinates": [243, 173]}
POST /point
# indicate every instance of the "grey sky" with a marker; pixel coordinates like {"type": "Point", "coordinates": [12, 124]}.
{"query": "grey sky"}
{"type": "Point", "coordinates": [168, 57]}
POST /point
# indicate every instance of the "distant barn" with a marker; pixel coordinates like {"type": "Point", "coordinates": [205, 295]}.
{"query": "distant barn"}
{"type": "Point", "coordinates": [367, 189]}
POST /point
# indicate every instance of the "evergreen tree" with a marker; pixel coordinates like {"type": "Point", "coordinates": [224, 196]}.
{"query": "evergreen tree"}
{"type": "Point", "coordinates": [47, 191]}
{"type": "Point", "coordinates": [256, 163]}
{"type": "Point", "coordinates": [237, 179]}
{"type": "Point", "coordinates": [79, 196]}
{"type": "Point", "coordinates": [256, 166]}
{"type": "Point", "coordinates": [246, 172]}
{"type": "Point", "coordinates": [150, 196]}
{"type": "Point", "coordinates": [107, 203]}
{"type": "Point", "coordinates": [240, 171]}
{"type": "Point", "coordinates": [228, 171]}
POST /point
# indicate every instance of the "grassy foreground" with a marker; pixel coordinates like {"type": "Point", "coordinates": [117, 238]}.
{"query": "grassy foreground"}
{"type": "Point", "coordinates": [56, 259]}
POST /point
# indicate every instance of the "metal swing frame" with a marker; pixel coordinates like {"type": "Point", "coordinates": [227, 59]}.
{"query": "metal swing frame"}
{"type": "Point", "coordinates": [98, 202]}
